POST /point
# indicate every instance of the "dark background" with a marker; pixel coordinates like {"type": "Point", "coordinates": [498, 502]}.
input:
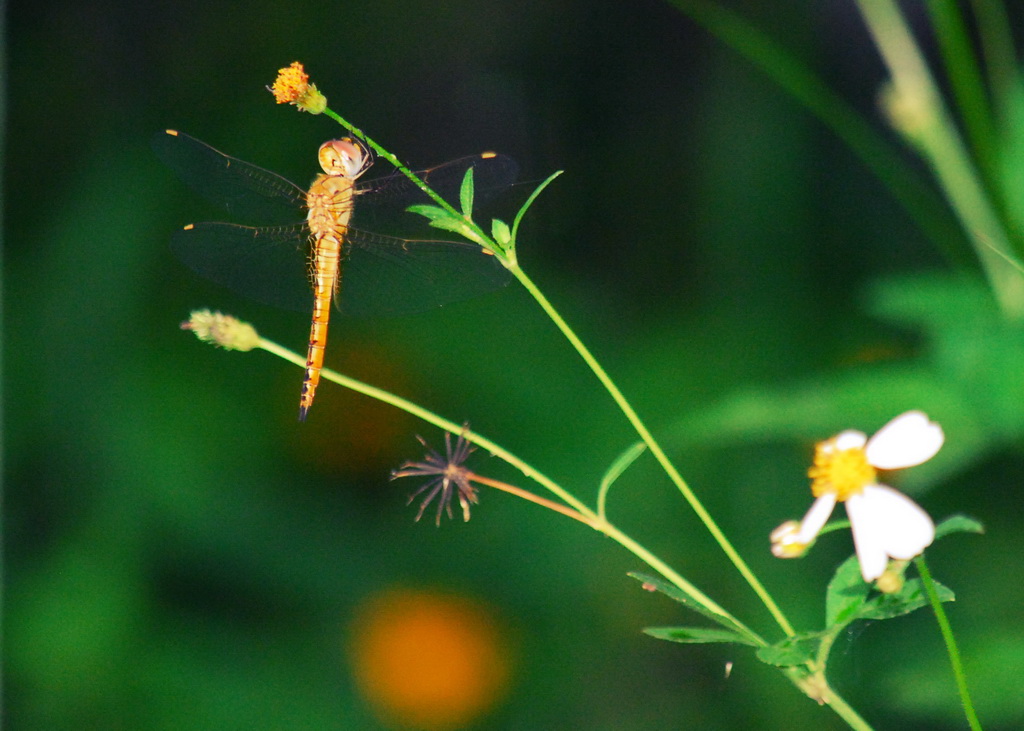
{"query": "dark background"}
{"type": "Point", "coordinates": [181, 553]}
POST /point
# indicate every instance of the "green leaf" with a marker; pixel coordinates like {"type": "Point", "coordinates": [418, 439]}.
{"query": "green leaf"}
{"type": "Point", "coordinates": [429, 211]}
{"type": "Point", "coordinates": [501, 232]}
{"type": "Point", "coordinates": [847, 596]}
{"type": "Point", "coordinates": [652, 583]}
{"type": "Point", "coordinates": [450, 223]}
{"type": "Point", "coordinates": [620, 465]}
{"type": "Point", "coordinates": [795, 650]}
{"type": "Point", "coordinates": [958, 524]}
{"type": "Point", "coordinates": [466, 194]}
{"type": "Point", "coordinates": [847, 592]}
{"type": "Point", "coordinates": [442, 219]}
{"type": "Point", "coordinates": [908, 599]}
{"type": "Point", "coordinates": [696, 635]}
{"type": "Point", "coordinates": [530, 200]}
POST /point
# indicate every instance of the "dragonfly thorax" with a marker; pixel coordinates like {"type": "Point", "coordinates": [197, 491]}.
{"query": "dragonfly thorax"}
{"type": "Point", "coordinates": [344, 157]}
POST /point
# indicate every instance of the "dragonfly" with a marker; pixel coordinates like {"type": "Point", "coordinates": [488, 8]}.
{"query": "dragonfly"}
{"type": "Point", "coordinates": [306, 253]}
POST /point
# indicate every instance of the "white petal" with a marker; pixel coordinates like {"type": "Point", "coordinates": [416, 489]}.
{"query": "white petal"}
{"type": "Point", "coordinates": [816, 518]}
{"type": "Point", "coordinates": [850, 439]}
{"type": "Point", "coordinates": [907, 440]}
{"type": "Point", "coordinates": [886, 523]}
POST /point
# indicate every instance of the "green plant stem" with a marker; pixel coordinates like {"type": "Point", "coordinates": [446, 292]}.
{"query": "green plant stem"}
{"type": "Point", "coordinates": [656, 450]}
{"type": "Point", "coordinates": [951, 648]}
{"type": "Point", "coordinates": [844, 710]}
{"type": "Point", "coordinates": [536, 499]}
{"type": "Point", "coordinates": [966, 82]}
{"type": "Point", "coordinates": [935, 135]}
{"type": "Point", "coordinates": [811, 681]}
{"type": "Point", "coordinates": [665, 570]}
{"type": "Point", "coordinates": [818, 681]}
{"type": "Point", "coordinates": [588, 515]}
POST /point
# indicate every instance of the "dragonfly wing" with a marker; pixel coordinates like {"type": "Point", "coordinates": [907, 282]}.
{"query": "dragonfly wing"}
{"type": "Point", "coordinates": [386, 276]}
{"type": "Point", "coordinates": [269, 265]}
{"type": "Point", "coordinates": [243, 190]}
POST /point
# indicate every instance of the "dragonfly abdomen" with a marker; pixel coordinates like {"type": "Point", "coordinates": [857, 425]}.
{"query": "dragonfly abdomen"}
{"type": "Point", "coordinates": [330, 208]}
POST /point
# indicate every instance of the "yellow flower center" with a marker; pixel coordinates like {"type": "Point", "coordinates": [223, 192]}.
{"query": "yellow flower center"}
{"type": "Point", "coordinates": [292, 87]}
{"type": "Point", "coordinates": [291, 83]}
{"type": "Point", "coordinates": [843, 472]}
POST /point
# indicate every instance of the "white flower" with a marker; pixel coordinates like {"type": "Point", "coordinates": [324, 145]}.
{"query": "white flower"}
{"type": "Point", "coordinates": [886, 523]}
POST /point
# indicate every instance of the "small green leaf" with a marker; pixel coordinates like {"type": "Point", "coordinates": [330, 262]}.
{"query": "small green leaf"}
{"type": "Point", "coordinates": [529, 201]}
{"type": "Point", "coordinates": [466, 194]}
{"type": "Point", "coordinates": [696, 635]}
{"type": "Point", "coordinates": [429, 211]}
{"type": "Point", "coordinates": [450, 223]}
{"type": "Point", "coordinates": [501, 232]}
{"type": "Point", "coordinates": [846, 593]}
{"type": "Point", "coordinates": [908, 599]}
{"type": "Point", "coordinates": [444, 220]}
{"type": "Point", "coordinates": [620, 465]}
{"type": "Point", "coordinates": [958, 524]}
{"type": "Point", "coordinates": [652, 583]}
{"type": "Point", "coordinates": [795, 650]}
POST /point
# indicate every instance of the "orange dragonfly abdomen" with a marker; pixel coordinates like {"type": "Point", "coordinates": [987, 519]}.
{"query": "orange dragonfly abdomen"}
{"type": "Point", "coordinates": [329, 201]}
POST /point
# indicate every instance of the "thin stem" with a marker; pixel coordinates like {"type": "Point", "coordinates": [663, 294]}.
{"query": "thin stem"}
{"type": "Point", "coordinates": [962, 68]}
{"type": "Point", "coordinates": [530, 497]}
{"type": "Point", "coordinates": [656, 450]}
{"type": "Point", "coordinates": [951, 648]}
{"type": "Point", "coordinates": [844, 710]}
{"type": "Point", "coordinates": [665, 570]}
{"type": "Point", "coordinates": [827, 694]}
{"type": "Point", "coordinates": [599, 523]}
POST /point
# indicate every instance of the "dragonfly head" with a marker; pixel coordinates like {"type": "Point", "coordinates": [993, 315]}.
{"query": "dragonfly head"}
{"type": "Point", "coordinates": [346, 157]}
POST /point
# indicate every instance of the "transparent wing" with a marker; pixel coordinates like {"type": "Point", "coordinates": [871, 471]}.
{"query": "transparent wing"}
{"type": "Point", "coordinates": [382, 275]}
{"type": "Point", "coordinates": [269, 265]}
{"type": "Point", "coordinates": [245, 191]}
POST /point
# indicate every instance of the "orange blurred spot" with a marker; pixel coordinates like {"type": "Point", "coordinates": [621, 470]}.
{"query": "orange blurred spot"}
{"type": "Point", "coordinates": [426, 660]}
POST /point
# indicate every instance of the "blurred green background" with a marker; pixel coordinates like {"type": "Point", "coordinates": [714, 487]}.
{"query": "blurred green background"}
{"type": "Point", "coordinates": [181, 553]}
